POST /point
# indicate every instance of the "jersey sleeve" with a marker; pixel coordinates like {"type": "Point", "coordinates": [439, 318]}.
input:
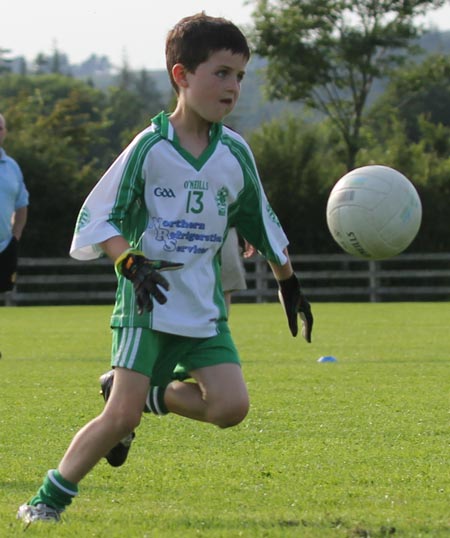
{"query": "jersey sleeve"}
{"type": "Point", "coordinates": [253, 216]}
{"type": "Point", "coordinates": [110, 208]}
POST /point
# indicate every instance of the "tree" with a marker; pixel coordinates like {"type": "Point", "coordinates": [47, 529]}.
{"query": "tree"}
{"type": "Point", "coordinates": [145, 87]}
{"type": "Point", "coordinates": [5, 62]}
{"type": "Point", "coordinates": [422, 89]}
{"type": "Point", "coordinates": [297, 167]}
{"type": "Point", "coordinates": [408, 128]}
{"type": "Point", "coordinates": [126, 77]}
{"type": "Point", "coordinates": [328, 53]}
{"type": "Point", "coordinates": [41, 63]}
{"type": "Point", "coordinates": [64, 135]}
{"type": "Point", "coordinates": [131, 105]}
{"type": "Point", "coordinates": [58, 136]}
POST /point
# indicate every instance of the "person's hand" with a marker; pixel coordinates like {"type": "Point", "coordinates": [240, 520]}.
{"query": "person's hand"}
{"type": "Point", "coordinates": [294, 302]}
{"type": "Point", "coordinates": [146, 277]}
{"type": "Point", "coordinates": [249, 250]}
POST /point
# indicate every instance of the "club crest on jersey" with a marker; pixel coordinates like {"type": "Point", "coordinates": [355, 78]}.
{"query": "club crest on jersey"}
{"type": "Point", "coordinates": [163, 192]}
{"type": "Point", "coordinates": [221, 201]}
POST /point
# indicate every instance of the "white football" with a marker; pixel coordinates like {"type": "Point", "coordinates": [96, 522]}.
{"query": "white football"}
{"type": "Point", "coordinates": [374, 212]}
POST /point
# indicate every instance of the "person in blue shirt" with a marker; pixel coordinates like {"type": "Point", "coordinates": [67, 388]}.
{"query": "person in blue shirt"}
{"type": "Point", "coordinates": [13, 213]}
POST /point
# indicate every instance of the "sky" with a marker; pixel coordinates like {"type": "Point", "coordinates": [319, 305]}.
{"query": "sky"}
{"type": "Point", "coordinates": [134, 30]}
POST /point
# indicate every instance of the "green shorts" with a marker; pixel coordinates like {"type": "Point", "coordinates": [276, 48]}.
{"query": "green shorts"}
{"type": "Point", "coordinates": [164, 357]}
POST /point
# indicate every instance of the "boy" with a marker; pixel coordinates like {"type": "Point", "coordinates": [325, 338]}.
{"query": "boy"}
{"type": "Point", "coordinates": [172, 195]}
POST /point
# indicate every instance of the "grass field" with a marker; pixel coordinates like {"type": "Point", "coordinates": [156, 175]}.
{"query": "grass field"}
{"type": "Point", "coordinates": [357, 448]}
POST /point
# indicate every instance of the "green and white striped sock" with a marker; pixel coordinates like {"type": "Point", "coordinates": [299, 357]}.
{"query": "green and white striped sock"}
{"type": "Point", "coordinates": [155, 401]}
{"type": "Point", "coordinates": [55, 491]}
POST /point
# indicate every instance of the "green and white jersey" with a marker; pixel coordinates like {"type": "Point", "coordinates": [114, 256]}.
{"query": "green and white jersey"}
{"type": "Point", "coordinates": [178, 208]}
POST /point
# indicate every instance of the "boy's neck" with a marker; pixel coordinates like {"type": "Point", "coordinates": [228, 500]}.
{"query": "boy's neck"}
{"type": "Point", "coordinates": [192, 132]}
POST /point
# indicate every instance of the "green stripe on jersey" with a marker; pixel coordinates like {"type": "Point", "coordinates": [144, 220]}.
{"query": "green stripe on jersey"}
{"type": "Point", "coordinates": [253, 204]}
{"type": "Point", "coordinates": [129, 213]}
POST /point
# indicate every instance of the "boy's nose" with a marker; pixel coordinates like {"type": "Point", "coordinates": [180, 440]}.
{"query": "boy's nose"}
{"type": "Point", "coordinates": [235, 85]}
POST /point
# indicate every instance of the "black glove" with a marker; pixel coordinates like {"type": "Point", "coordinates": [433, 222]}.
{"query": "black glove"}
{"type": "Point", "coordinates": [145, 276]}
{"type": "Point", "coordinates": [294, 302]}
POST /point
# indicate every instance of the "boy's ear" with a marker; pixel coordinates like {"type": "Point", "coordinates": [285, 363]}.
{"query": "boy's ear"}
{"type": "Point", "coordinates": [179, 75]}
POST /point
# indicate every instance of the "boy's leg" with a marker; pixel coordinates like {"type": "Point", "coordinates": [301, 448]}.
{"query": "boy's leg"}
{"type": "Point", "coordinates": [146, 351]}
{"type": "Point", "coordinates": [119, 417]}
{"type": "Point", "coordinates": [219, 395]}
{"type": "Point", "coordinates": [119, 453]}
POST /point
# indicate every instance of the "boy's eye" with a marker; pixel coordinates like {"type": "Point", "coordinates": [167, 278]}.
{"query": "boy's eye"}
{"type": "Point", "coordinates": [223, 73]}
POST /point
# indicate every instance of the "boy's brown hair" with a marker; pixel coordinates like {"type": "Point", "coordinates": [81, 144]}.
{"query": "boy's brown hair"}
{"type": "Point", "coordinates": [193, 39]}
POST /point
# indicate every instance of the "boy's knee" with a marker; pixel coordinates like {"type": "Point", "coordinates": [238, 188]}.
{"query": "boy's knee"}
{"type": "Point", "coordinates": [230, 415]}
{"type": "Point", "coordinates": [124, 422]}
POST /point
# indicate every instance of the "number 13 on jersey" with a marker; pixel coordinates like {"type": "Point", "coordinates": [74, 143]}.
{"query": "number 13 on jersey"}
{"type": "Point", "coordinates": [194, 202]}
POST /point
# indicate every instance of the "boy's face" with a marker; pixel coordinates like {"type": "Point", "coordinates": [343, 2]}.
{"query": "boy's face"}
{"type": "Point", "coordinates": [213, 89]}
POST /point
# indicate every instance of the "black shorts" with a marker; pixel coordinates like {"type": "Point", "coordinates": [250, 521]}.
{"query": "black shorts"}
{"type": "Point", "coordinates": [8, 266]}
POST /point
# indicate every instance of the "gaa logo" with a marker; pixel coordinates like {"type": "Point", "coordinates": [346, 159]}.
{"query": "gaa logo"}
{"type": "Point", "coordinates": [164, 193]}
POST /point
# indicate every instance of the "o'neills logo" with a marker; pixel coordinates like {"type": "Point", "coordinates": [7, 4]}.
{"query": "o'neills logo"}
{"type": "Point", "coordinates": [196, 184]}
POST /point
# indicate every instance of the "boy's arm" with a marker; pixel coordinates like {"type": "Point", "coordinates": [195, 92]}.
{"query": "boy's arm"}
{"type": "Point", "coordinates": [115, 246]}
{"type": "Point", "coordinates": [292, 299]}
{"type": "Point", "coordinates": [282, 272]}
{"type": "Point", "coordinates": [144, 274]}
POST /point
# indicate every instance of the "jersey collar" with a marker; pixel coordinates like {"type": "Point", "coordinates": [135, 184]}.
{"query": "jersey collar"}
{"type": "Point", "coordinates": [166, 130]}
